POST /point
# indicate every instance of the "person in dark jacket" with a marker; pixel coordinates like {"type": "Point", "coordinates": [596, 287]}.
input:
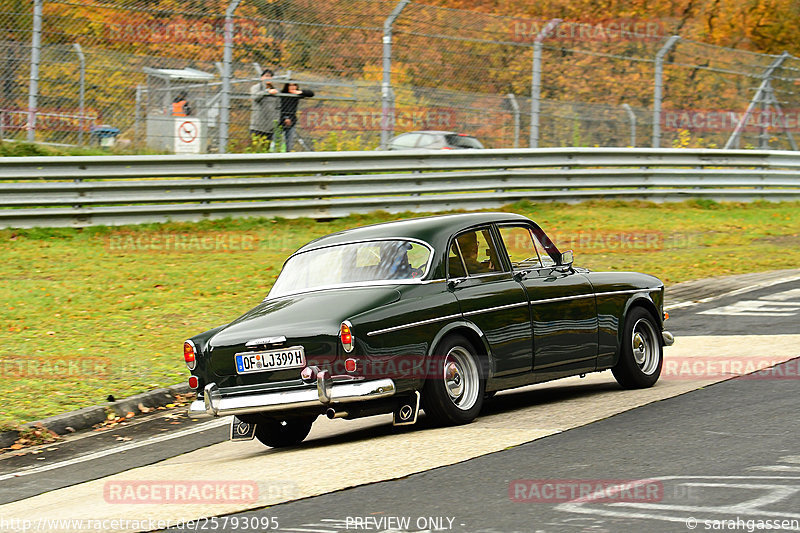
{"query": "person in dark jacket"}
{"type": "Point", "coordinates": [264, 113]}
{"type": "Point", "coordinates": [290, 97]}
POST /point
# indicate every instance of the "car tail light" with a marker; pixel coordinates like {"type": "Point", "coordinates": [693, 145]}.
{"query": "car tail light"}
{"type": "Point", "coordinates": [346, 336]}
{"type": "Point", "coordinates": [351, 365]}
{"type": "Point", "coordinates": [193, 382]}
{"type": "Point", "coordinates": [189, 354]}
{"type": "Point", "coordinates": [666, 315]}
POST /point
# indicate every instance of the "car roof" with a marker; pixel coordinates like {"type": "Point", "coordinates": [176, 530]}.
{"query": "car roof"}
{"type": "Point", "coordinates": [434, 230]}
{"type": "Point", "coordinates": [437, 132]}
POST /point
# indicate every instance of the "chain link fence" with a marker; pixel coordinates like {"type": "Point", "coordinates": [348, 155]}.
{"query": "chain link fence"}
{"type": "Point", "coordinates": [81, 72]}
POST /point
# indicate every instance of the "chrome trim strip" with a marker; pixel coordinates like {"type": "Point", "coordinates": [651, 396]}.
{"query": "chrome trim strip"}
{"type": "Point", "coordinates": [628, 291]}
{"type": "Point", "coordinates": [508, 306]}
{"type": "Point", "coordinates": [411, 325]}
{"type": "Point", "coordinates": [563, 298]}
{"type": "Point", "coordinates": [498, 308]}
{"type": "Point", "coordinates": [216, 405]}
{"type": "Point", "coordinates": [591, 295]}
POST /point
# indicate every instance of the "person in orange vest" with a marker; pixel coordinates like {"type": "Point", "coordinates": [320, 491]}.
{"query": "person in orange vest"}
{"type": "Point", "coordinates": [180, 106]}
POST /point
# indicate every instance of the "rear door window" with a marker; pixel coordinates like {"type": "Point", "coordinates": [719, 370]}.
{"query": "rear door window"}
{"type": "Point", "coordinates": [463, 141]}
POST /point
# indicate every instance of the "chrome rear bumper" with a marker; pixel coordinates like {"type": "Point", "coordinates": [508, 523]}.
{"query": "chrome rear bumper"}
{"type": "Point", "coordinates": [327, 393]}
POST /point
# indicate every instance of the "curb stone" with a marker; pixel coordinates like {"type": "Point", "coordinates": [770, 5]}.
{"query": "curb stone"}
{"type": "Point", "coordinates": [7, 438]}
{"type": "Point", "coordinates": [91, 416]}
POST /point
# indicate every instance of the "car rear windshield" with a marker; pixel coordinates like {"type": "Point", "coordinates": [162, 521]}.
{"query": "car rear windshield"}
{"type": "Point", "coordinates": [353, 263]}
{"type": "Point", "coordinates": [463, 141]}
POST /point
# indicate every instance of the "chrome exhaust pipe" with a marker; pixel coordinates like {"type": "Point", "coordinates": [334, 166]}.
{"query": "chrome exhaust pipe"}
{"type": "Point", "coordinates": [333, 413]}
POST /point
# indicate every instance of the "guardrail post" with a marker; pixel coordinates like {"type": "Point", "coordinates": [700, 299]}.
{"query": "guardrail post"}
{"type": "Point", "coordinates": [82, 97]}
{"type": "Point", "coordinates": [227, 57]}
{"type": "Point", "coordinates": [658, 86]}
{"type": "Point", "coordinates": [536, 79]}
{"type": "Point", "coordinates": [387, 97]}
{"type": "Point", "coordinates": [33, 86]}
{"type": "Point", "coordinates": [632, 120]}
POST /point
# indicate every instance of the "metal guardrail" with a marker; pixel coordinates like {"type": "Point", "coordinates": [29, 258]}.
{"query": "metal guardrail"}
{"type": "Point", "coordinates": [115, 190]}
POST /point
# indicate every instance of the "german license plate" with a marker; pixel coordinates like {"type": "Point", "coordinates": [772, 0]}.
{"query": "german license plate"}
{"type": "Point", "coordinates": [247, 362]}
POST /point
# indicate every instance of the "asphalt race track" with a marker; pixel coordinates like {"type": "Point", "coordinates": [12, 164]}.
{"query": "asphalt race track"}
{"type": "Point", "coordinates": [693, 452]}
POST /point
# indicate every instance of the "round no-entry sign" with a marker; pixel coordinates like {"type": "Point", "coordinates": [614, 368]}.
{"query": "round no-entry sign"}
{"type": "Point", "coordinates": [187, 131]}
{"type": "Point", "coordinates": [188, 137]}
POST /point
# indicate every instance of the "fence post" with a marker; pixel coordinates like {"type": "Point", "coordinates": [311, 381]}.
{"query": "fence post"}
{"type": "Point", "coordinates": [632, 119]}
{"type": "Point", "coordinates": [387, 98]}
{"type": "Point", "coordinates": [657, 89]}
{"type": "Point", "coordinates": [33, 87]}
{"type": "Point", "coordinates": [227, 57]}
{"type": "Point", "coordinates": [515, 107]}
{"type": "Point", "coordinates": [762, 90]}
{"type": "Point", "coordinates": [536, 81]}
{"type": "Point", "coordinates": [82, 98]}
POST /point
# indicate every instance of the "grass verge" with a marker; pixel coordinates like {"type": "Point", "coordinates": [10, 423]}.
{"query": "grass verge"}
{"type": "Point", "coordinates": [104, 311]}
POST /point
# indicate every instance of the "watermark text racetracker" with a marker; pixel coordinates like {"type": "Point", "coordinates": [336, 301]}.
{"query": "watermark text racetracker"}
{"type": "Point", "coordinates": [183, 492]}
{"type": "Point", "coordinates": [175, 242]}
{"type": "Point", "coordinates": [631, 241]}
{"type": "Point", "coordinates": [585, 490]}
{"type": "Point", "coordinates": [610, 30]}
{"type": "Point", "coordinates": [699, 367]}
{"type": "Point", "coordinates": [53, 367]}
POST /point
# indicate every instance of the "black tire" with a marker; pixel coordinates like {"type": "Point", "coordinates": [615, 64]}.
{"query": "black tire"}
{"type": "Point", "coordinates": [282, 433]}
{"type": "Point", "coordinates": [455, 397]}
{"type": "Point", "coordinates": [641, 353]}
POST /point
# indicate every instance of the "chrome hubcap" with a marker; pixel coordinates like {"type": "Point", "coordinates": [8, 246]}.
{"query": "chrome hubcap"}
{"type": "Point", "coordinates": [461, 378]}
{"type": "Point", "coordinates": [645, 346]}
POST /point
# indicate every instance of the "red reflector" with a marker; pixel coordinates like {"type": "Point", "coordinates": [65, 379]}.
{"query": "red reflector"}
{"type": "Point", "coordinates": [350, 365]}
{"type": "Point", "coordinates": [193, 382]}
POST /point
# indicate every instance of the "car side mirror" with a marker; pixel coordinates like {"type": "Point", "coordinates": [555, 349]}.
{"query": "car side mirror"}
{"type": "Point", "coordinates": [567, 258]}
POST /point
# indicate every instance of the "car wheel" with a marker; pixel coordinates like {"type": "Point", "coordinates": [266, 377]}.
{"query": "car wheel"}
{"type": "Point", "coordinates": [282, 433]}
{"type": "Point", "coordinates": [453, 394]}
{"type": "Point", "coordinates": [641, 353]}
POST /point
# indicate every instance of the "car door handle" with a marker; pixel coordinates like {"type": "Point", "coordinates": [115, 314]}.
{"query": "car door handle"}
{"type": "Point", "coordinates": [453, 283]}
{"type": "Point", "coordinates": [519, 275]}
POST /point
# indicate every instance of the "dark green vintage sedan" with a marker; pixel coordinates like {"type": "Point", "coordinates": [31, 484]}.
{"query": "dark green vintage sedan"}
{"type": "Point", "coordinates": [436, 313]}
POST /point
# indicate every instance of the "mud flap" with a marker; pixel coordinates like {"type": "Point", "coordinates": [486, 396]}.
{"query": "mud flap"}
{"type": "Point", "coordinates": [242, 430]}
{"type": "Point", "coordinates": [405, 413]}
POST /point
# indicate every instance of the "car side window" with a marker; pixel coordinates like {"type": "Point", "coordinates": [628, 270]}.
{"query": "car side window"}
{"type": "Point", "coordinates": [521, 247]}
{"type": "Point", "coordinates": [478, 252]}
{"type": "Point", "coordinates": [405, 141]}
{"type": "Point", "coordinates": [425, 140]}
{"type": "Point", "coordinates": [455, 267]}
